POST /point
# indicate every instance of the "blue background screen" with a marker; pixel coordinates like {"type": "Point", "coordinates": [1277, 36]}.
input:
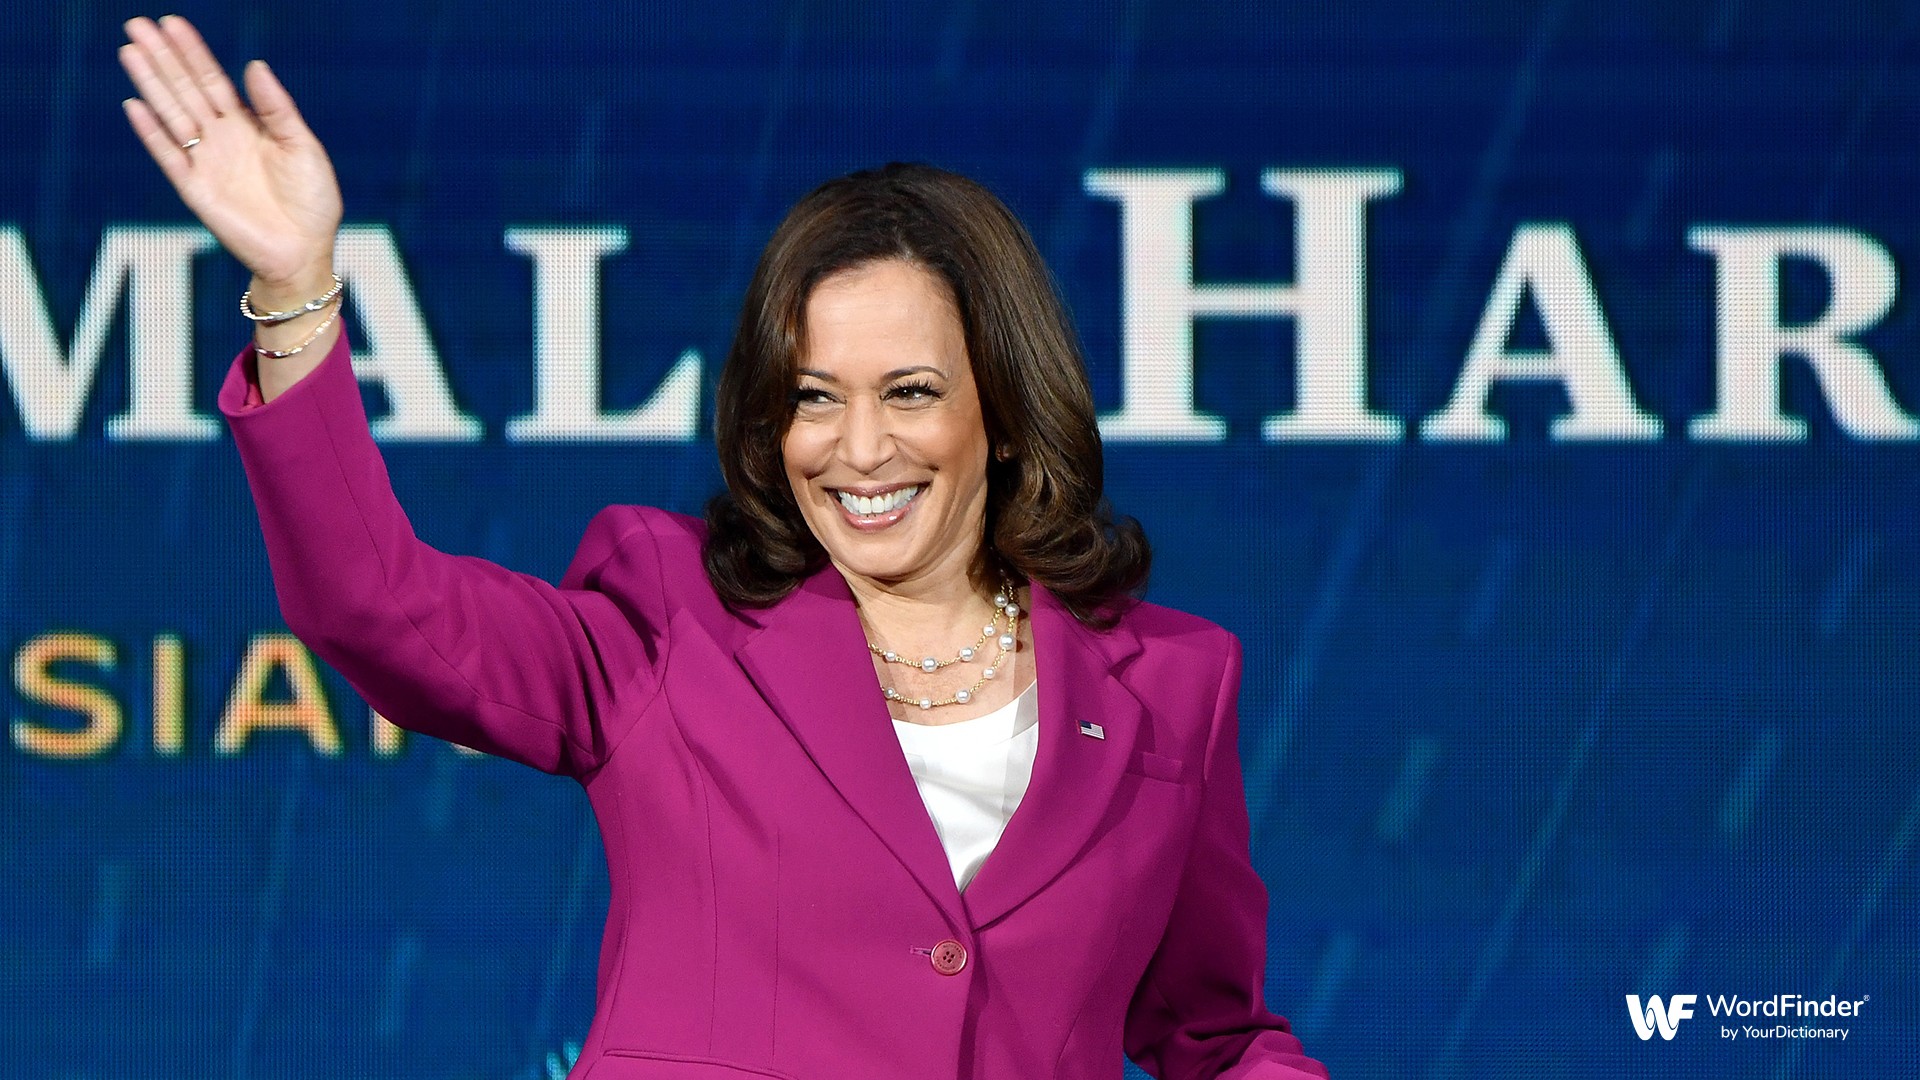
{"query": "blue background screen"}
{"type": "Point", "coordinates": [1579, 632]}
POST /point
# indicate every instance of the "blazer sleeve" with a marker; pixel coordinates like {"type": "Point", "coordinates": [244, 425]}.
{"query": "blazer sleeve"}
{"type": "Point", "coordinates": [447, 645]}
{"type": "Point", "coordinates": [1198, 1012]}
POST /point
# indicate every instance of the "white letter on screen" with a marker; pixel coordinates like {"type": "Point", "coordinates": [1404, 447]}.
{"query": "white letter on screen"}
{"type": "Point", "coordinates": [1160, 300]}
{"type": "Point", "coordinates": [399, 355]}
{"type": "Point", "coordinates": [152, 266]}
{"type": "Point", "coordinates": [1752, 342]}
{"type": "Point", "coordinates": [1544, 260]}
{"type": "Point", "coordinates": [566, 349]}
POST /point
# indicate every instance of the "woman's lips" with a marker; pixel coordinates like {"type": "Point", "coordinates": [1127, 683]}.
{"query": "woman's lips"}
{"type": "Point", "coordinates": [883, 520]}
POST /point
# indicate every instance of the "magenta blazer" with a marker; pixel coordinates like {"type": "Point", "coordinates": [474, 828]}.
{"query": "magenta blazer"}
{"type": "Point", "coordinates": [781, 905]}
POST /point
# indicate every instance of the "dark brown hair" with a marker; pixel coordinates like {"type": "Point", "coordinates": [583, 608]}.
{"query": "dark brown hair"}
{"type": "Point", "coordinates": [1046, 519]}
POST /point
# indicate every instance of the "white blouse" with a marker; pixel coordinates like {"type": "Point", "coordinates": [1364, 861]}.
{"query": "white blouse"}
{"type": "Point", "coordinates": [972, 775]}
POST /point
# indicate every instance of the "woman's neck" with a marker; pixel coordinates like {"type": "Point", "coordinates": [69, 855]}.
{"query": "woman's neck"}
{"type": "Point", "coordinates": [923, 617]}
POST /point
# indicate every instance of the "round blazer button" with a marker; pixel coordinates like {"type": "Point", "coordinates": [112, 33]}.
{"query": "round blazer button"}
{"type": "Point", "coordinates": [949, 957]}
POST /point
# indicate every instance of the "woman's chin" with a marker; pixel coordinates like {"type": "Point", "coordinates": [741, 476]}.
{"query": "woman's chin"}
{"type": "Point", "coordinates": [880, 557]}
{"type": "Point", "coordinates": [886, 567]}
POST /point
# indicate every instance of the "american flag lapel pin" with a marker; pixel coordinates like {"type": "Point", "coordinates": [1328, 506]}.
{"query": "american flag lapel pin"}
{"type": "Point", "coordinates": [1092, 730]}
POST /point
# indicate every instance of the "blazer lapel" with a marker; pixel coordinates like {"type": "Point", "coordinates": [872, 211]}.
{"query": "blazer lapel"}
{"type": "Point", "coordinates": [809, 661]}
{"type": "Point", "coordinates": [1074, 775]}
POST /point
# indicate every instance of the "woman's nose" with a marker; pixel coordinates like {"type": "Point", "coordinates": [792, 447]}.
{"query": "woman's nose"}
{"type": "Point", "coordinates": [866, 437]}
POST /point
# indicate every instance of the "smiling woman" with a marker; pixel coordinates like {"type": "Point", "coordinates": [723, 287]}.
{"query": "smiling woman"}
{"type": "Point", "coordinates": [976, 339]}
{"type": "Point", "coordinates": [913, 524]}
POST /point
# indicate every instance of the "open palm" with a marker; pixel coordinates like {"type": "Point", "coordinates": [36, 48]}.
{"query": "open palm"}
{"type": "Point", "coordinates": [256, 177]}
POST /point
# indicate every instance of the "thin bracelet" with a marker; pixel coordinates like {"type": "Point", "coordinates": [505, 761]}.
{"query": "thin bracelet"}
{"type": "Point", "coordinates": [308, 308]}
{"type": "Point", "coordinates": [282, 354]}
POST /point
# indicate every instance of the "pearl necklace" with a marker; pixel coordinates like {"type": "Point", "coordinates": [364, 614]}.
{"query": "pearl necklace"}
{"type": "Point", "coordinates": [1003, 607]}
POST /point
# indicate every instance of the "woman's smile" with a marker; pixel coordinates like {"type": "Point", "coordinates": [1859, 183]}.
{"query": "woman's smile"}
{"type": "Point", "coordinates": [882, 509]}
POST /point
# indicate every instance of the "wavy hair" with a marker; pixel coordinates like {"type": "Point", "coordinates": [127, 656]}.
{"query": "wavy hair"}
{"type": "Point", "coordinates": [1047, 520]}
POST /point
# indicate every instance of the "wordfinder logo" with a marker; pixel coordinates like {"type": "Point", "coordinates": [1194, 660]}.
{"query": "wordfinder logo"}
{"type": "Point", "coordinates": [1665, 1018]}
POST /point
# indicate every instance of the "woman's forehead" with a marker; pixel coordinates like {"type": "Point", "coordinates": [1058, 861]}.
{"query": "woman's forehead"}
{"type": "Point", "coordinates": [880, 321]}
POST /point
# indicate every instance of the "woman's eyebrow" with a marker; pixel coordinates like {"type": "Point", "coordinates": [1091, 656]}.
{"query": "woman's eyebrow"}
{"type": "Point", "coordinates": [888, 377]}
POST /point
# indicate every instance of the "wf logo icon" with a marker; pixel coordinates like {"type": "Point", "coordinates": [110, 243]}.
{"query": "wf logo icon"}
{"type": "Point", "coordinates": [1665, 1018]}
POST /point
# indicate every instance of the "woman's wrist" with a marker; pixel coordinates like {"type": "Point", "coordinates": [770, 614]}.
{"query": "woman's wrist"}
{"type": "Point", "coordinates": [292, 294]}
{"type": "Point", "coordinates": [271, 317]}
{"type": "Point", "coordinates": [313, 280]}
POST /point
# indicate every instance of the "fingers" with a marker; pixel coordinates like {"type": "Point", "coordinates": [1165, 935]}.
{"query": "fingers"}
{"type": "Point", "coordinates": [273, 104]}
{"type": "Point", "coordinates": [160, 72]}
{"type": "Point", "coordinates": [154, 135]}
{"type": "Point", "coordinates": [155, 95]}
{"type": "Point", "coordinates": [200, 65]}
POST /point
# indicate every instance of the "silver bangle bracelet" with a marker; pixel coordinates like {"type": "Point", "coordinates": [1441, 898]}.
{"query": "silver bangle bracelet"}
{"type": "Point", "coordinates": [308, 308]}
{"type": "Point", "coordinates": [282, 354]}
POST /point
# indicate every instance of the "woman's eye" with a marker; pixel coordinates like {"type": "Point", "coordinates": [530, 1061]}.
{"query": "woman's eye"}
{"type": "Point", "coordinates": [913, 392]}
{"type": "Point", "coordinates": [807, 395]}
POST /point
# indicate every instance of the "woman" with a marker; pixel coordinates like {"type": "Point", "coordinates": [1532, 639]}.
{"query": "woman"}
{"type": "Point", "coordinates": [912, 526]}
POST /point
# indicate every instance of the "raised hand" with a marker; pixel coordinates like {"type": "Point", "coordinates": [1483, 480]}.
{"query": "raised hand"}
{"type": "Point", "coordinates": [256, 178]}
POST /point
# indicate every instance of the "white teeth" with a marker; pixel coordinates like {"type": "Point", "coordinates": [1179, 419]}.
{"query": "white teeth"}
{"type": "Point", "coordinates": [868, 506]}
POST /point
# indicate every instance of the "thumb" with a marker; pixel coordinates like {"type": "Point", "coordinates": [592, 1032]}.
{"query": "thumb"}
{"type": "Point", "coordinates": [274, 105]}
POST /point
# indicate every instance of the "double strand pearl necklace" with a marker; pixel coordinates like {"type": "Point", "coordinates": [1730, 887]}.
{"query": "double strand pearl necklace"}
{"type": "Point", "coordinates": [1005, 608]}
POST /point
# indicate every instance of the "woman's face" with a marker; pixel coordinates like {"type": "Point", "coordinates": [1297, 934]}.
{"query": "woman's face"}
{"type": "Point", "coordinates": [887, 452]}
